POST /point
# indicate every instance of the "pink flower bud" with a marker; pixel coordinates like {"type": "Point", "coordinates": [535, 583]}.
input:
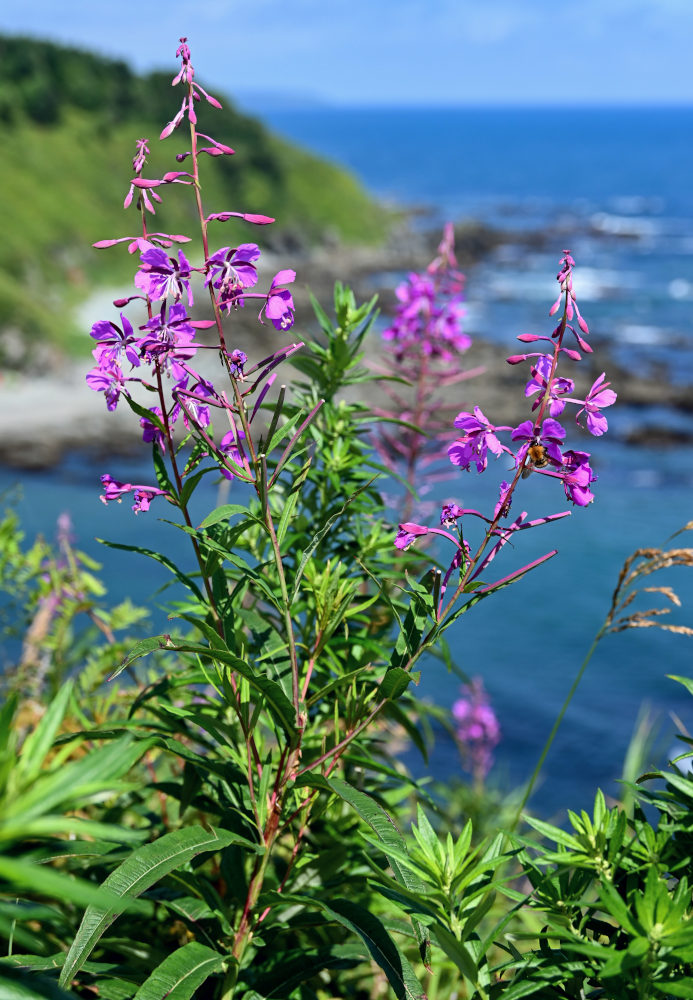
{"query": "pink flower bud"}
{"type": "Point", "coordinates": [258, 220]}
{"type": "Point", "coordinates": [554, 307]}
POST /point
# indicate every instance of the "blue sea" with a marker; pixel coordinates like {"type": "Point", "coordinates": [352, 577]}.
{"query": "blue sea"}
{"type": "Point", "coordinates": [614, 187]}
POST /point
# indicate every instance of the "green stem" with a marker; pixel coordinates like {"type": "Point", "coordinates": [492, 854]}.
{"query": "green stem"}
{"type": "Point", "coordinates": [554, 730]}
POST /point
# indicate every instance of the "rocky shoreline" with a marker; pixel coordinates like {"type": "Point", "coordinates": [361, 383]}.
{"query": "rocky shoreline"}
{"type": "Point", "coordinates": [45, 417]}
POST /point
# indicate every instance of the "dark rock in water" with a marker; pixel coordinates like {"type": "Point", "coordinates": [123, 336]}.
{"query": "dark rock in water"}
{"type": "Point", "coordinates": [658, 436]}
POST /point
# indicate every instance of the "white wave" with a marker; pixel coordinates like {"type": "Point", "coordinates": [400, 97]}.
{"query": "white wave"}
{"type": "Point", "coordinates": [624, 225]}
{"type": "Point", "coordinates": [590, 284]}
{"type": "Point", "coordinates": [680, 288]}
{"type": "Point", "coordinates": [641, 333]}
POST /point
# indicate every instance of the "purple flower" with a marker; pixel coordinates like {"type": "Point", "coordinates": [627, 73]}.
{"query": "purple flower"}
{"type": "Point", "coordinates": [476, 727]}
{"type": "Point", "coordinates": [479, 438]}
{"type": "Point", "coordinates": [140, 157]}
{"type": "Point", "coordinates": [151, 431]}
{"type": "Point", "coordinates": [232, 269]}
{"type": "Point", "coordinates": [112, 342]}
{"type": "Point", "coordinates": [428, 318]}
{"type": "Point", "coordinates": [449, 514]}
{"type": "Point", "coordinates": [598, 396]}
{"type": "Point", "coordinates": [565, 280]}
{"type": "Point", "coordinates": [194, 407]}
{"type": "Point", "coordinates": [577, 476]}
{"type": "Point", "coordinates": [108, 379]}
{"type": "Point", "coordinates": [143, 496]}
{"type": "Point", "coordinates": [407, 534]}
{"type": "Point", "coordinates": [115, 490]}
{"type": "Point", "coordinates": [169, 341]}
{"type": "Point", "coordinates": [237, 360]}
{"type": "Point", "coordinates": [161, 276]}
{"type": "Point", "coordinates": [541, 371]}
{"type": "Point", "coordinates": [230, 446]}
{"type": "Point", "coordinates": [138, 163]}
{"type": "Point", "coordinates": [279, 307]}
{"type": "Point", "coordinates": [502, 508]}
{"type": "Point", "coordinates": [550, 436]}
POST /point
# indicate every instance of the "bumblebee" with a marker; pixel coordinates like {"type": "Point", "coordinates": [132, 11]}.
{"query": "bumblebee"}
{"type": "Point", "coordinates": [537, 457]}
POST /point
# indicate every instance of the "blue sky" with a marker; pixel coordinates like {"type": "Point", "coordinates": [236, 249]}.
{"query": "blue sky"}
{"type": "Point", "coordinates": [396, 51]}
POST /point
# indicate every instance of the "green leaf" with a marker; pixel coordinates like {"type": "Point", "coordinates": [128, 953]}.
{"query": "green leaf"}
{"type": "Point", "coordinates": [94, 774]}
{"type": "Point", "coordinates": [369, 811]}
{"type": "Point", "coordinates": [187, 581]}
{"type": "Point", "coordinates": [141, 411]}
{"type": "Point", "coordinates": [458, 952]}
{"type": "Point", "coordinates": [44, 881]}
{"type": "Point", "coordinates": [291, 501]}
{"type": "Point", "coordinates": [554, 833]}
{"type": "Point", "coordinates": [222, 513]}
{"type": "Point", "coordinates": [278, 704]}
{"type": "Point", "coordinates": [675, 987]}
{"type": "Point", "coordinates": [38, 743]}
{"type": "Point", "coordinates": [394, 683]}
{"type": "Point", "coordinates": [408, 644]}
{"type": "Point", "coordinates": [6, 720]}
{"type": "Point", "coordinates": [380, 945]}
{"type": "Point", "coordinates": [141, 648]}
{"type": "Point", "coordinates": [139, 872]}
{"type": "Point", "coordinates": [23, 984]}
{"type": "Point", "coordinates": [160, 470]}
{"type": "Point", "coordinates": [180, 973]}
{"type": "Point", "coordinates": [393, 843]}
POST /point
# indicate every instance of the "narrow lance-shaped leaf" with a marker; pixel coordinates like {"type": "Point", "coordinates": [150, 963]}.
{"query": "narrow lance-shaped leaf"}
{"type": "Point", "coordinates": [38, 743]}
{"type": "Point", "coordinates": [390, 838]}
{"type": "Point", "coordinates": [222, 513]}
{"type": "Point", "coordinates": [23, 984]}
{"type": "Point", "coordinates": [278, 704]}
{"type": "Point", "coordinates": [144, 867]}
{"type": "Point", "coordinates": [186, 580]}
{"type": "Point", "coordinates": [181, 973]}
{"type": "Point", "coordinates": [283, 458]}
{"type": "Point", "coordinates": [374, 935]}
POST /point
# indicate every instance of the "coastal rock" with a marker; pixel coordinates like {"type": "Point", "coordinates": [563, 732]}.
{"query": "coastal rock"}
{"type": "Point", "coordinates": [45, 417]}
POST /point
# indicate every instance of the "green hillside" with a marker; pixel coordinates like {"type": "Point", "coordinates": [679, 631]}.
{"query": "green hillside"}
{"type": "Point", "coordinates": [68, 124]}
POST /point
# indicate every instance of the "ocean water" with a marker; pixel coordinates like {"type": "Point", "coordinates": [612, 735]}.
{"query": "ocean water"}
{"type": "Point", "coordinates": [614, 187]}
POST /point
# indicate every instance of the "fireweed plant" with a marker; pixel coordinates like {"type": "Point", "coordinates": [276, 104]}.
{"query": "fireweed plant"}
{"type": "Point", "coordinates": [269, 707]}
{"type": "Point", "coordinates": [539, 449]}
{"type": "Point", "coordinates": [234, 799]}
{"type": "Point", "coordinates": [423, 346]}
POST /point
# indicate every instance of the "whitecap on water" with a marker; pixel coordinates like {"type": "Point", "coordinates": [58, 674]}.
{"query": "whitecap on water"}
{"type": "Point", "coordinates": [680, 288]}
{"type": "Point", "coordinates": [624, 225]}
{"type": "Point", "coordinates": [641, 333]}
